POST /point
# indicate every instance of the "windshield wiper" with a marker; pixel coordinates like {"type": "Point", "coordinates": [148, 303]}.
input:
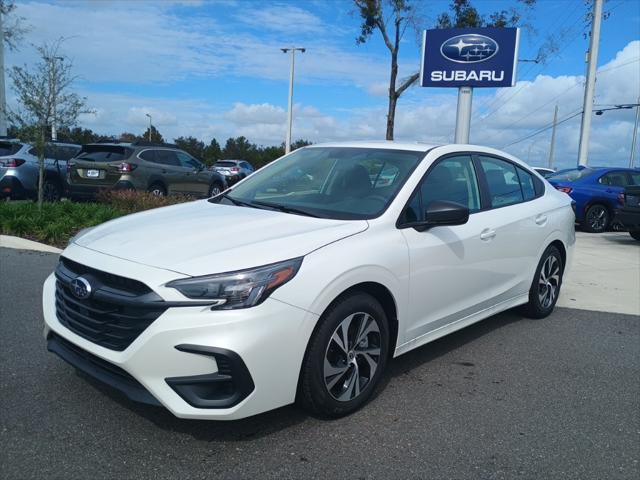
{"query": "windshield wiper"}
{"type": "Point", "coordinates": [286, 209]}
{"type": "Point", "coordinates": [238, 202]}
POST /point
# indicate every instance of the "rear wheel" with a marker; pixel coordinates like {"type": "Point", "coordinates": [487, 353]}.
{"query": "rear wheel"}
{"type": "Point", "coordinates": [596, 219]}
{"type": "Point", "coordinates": [158, 190]}
{"type": "Point", "coordinates": [635, 234]}
{"type": "Point", "coordinates": [51, 191]}
{"type": "Point", "coordinates": [546, 284]}
{"type": "Point", "coordinates": [346, 357]}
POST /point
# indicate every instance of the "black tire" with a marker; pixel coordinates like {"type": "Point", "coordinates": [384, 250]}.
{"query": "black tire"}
{"type": "Point", "coordinates": [51, 191]}
{"type": "Point", "coordinates": [538, 305]}
{"type": "Point", "coordinates": [215, 189]}
{"type": "Point", "coordinates": [315, 394]}
{"type": "Point", "coordinates": [635, 234]}
{"type": "Point", "coordinates": [596, 219]}
{"type": "Point", "coordinates": [157, 189]}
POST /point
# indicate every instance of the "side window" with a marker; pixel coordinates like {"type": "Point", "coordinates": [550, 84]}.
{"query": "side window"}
{"type": "Point", "coordinates": [167, 157]}
{"type": "Point", "coordinates": [187, 161]}
{"type": "Point", "coordinates": [67, 153]}
{"type": "Point", "coordinates": [503, 182]}
{"type": "Point", "coordinates": [614, 179]}
{"type": "Point", "coordinates": [50, 151]}
{"type": "Point", "coordinates": [635, 178]}
{"type": "Point", "coordinates": [454, 180]}
{"type": "Point", "coordinates": [526, 182]}
{"type": "Point", "coordinates": [149, 156]}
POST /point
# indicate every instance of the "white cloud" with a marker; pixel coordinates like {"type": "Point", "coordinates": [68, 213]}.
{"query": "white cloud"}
{"type": "Point", "coordinates": [281, 18]}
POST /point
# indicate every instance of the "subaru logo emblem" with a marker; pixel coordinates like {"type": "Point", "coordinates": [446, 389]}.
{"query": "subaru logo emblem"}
{"type": "Point", "coordinates": [469, 48]}
{"type": "Point", "coordinates": [80, 288]}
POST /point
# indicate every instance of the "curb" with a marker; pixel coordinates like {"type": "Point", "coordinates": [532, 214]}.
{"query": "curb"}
{"type": "Point", "coordinates": [7, 241]}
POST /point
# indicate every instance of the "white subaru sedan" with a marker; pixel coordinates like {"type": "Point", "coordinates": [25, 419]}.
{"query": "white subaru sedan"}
{"type": "Point", "coordinates": [305, 279]}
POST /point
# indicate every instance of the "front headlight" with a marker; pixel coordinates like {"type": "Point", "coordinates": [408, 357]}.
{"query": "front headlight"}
{"type": "Point", "coordinates": [241, 289]}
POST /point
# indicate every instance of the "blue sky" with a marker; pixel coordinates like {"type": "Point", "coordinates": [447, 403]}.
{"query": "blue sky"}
{"type": "Point", "coordinates": [214, 68]}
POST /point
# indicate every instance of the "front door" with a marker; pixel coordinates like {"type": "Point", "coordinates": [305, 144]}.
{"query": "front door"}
{"type": "Point", "coordinates": [452, 272]}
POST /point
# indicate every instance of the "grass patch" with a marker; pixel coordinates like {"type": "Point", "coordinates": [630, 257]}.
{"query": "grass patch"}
{"type": "Point", "coordinates": [59, 221]}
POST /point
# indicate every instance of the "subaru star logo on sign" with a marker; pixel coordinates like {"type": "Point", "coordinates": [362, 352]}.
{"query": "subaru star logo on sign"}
{"type": "Point", "coordinates": [80, 288]}
{"type": "Point", "coordinates": [469, 57]}
{"type": "Point", "coordinates": [469, 48]}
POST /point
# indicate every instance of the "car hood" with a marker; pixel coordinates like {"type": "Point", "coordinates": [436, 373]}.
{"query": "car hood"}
{"type": "Point", "coordinates": [200, 238]}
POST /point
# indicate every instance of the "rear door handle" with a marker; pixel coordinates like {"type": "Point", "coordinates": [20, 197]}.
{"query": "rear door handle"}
{"type": "Point", "coordinates": [487, 234]}
{"type": "Point", "coordinates": [541, 219]}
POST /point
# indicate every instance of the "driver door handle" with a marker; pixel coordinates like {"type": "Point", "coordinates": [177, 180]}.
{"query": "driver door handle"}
{"type": "Point", "coordinates": [487, 234]}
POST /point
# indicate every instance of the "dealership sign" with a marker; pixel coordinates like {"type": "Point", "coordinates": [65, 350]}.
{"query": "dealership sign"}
{"type": "Point", "coordinates": [469, 57]}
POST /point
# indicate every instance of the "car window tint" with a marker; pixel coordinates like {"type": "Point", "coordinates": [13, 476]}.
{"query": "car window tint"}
{"type": "Point", "coordinates": [635, 178]}
{"type": "Point", "coordinates": [67, 152]}
{"type": "Point", "coordinates": [167, 157]}
{"type": "Point", "coordinates": [614, 179]}
{"type": "Point", "coordinates": [225, 164]}
{"type": "Point", "coordinates": [187, 161]}
{"type": "Point", "coordinates": [413, 212]}
{"type": "Point", "coordinates": [526, 182]}
{"type": "Point", "coordinates": [104, 153]}
{"type": "Point", "coordinates": [502, 180]}
{"type": "Point", "coordinates": [9, 148]}
{"type": "Point", "coordinates": [149, 156]}
{"type": "Point", "coordinates": [453, 180]}
{"type": "Point", "coordinates": [50, 151]}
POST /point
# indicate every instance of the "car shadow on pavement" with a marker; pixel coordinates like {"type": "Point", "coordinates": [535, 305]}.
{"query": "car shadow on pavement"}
{"type": "Point", "coordinates": [282, 418]}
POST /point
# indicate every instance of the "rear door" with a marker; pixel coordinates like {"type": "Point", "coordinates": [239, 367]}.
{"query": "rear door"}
{"type": "Point", "coordinates": [97, 165]}
{"type": "Point", "coordinates": [516, 224]}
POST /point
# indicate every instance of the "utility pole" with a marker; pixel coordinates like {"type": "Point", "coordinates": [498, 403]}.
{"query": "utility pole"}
{"type": "Point", "coordinates": [635, 136]}
{"type": "Point", "coordinates": [3, 100]}
{"type": "Point", "coordinates": [149, 134]}
{"type": "Point", "coordinates": [287, 144]}
{"type": "Point", "coordinates": [463, 114]}
{"type": "Point", "coordinates": [594, 44]}
{"type": "Point", "coordinates": [552, 147]}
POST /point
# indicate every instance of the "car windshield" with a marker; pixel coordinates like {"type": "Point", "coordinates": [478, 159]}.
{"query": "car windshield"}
{"type": "Point", "coordinates": [329, 182]}
{"type": "Point", "coordinates": [104, 153]}
{"type": "Point", "coordinates": [571, 175]}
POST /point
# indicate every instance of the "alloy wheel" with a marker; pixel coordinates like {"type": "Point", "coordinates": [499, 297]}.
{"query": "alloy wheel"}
{"type": "Point", "coordinates": [50, 192]}
{"type": "Point", "coordinates": [352, 356]}
{"type": "Point", "coordinates": [215, 190]}
{"type": "Point", "coordinates": [597, 217]}
{"type": "Point", "coordinates": [549, 281]}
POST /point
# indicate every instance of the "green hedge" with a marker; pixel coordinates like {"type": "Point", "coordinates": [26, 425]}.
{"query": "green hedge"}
{"type": "Point", "coordinates": [58, 222]}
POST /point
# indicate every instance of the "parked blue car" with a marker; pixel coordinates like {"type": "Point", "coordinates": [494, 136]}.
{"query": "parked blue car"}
{"type": "Point", "coordinates": [597, 191]}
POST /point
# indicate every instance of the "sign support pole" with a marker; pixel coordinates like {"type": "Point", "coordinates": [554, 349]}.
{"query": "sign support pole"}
{"type": "Point", "coordinates": [552, 147]}
{"type": "Point", "coordinates": [589, 89]}
{"type": "Point", "coordinates": [463, 114]}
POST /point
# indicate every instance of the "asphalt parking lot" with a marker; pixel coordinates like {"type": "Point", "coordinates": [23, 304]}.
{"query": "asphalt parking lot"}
{"type": "Point", "coordinates": [506, 398]}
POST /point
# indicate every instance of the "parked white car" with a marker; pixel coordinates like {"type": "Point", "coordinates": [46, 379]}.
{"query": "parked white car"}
{"type": "Point", "coordinates": [228, 307]}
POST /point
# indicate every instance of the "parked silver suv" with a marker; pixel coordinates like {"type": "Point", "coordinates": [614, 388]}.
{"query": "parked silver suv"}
{"type": "Point", "coordinates": [233, 170]}
{"type": "Point", "coordinates": [19, 169]}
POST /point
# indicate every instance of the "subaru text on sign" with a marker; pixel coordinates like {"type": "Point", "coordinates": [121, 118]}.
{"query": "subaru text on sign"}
{"type": "Point", "coordinates": [469, 57]}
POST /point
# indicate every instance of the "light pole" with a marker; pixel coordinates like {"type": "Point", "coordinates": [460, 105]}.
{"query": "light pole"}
{"type": "Point", "coordinates": [635, 135]}
{"type": "Point", "coordinates": [287, 144]}
{"type": "Point", "coordinates": [3, 102]}
{"type": "Point", "coordinates": [150, 124]}
{"type": "Point", "coordinates": [52, 70]}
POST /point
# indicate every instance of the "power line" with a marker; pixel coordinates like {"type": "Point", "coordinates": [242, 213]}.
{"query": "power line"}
{"type": "Point", "coordinates": [544, 129]}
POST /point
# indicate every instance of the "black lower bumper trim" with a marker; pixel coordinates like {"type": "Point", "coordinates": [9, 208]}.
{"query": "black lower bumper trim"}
{"type": "Point", "coordinates": [231, 384]}
{"type": "Point", "coordinates": [100, 369]}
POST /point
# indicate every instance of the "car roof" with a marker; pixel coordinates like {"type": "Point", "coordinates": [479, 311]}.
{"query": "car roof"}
{"type": "Point", "coordinates": [384, 144]}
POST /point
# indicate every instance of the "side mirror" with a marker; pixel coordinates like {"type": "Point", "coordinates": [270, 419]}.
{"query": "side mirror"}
{"type": "Point", "coordinates": [442, 213]}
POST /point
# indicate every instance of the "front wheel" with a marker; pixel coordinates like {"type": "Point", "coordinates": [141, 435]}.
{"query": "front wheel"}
{"type": "Point", "coordinates": [596, 219]}
{"type": "Point", "coordinates": [546, 284]}
{"type": "Point", "coordinates": [346, 357]}
{"type": "Point", "coordinates": [215, 190]}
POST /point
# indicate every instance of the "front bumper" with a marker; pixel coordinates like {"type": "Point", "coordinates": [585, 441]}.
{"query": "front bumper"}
{"type": "Point", "coordinates": [177, 356]}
